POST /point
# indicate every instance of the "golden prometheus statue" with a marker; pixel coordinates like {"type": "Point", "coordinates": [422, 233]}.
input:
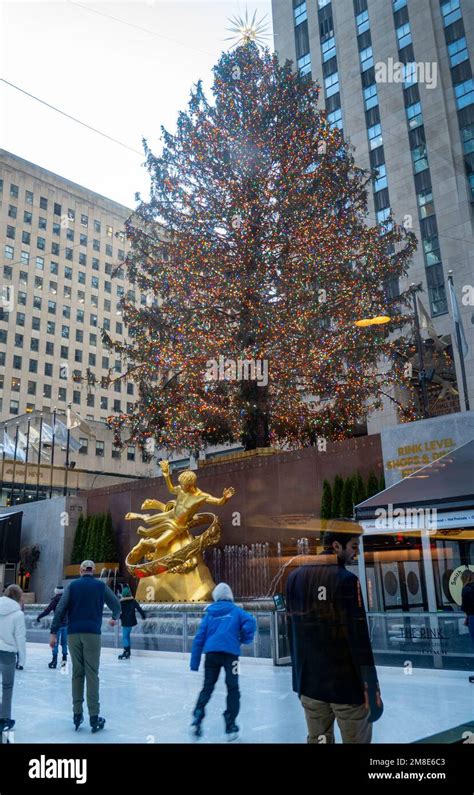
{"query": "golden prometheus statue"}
{"type": "Point", "coordinates": [168, 560]}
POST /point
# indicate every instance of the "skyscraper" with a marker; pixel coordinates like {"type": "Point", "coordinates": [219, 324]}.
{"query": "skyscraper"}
{"type": "Point", "coordinates": [396, 78]}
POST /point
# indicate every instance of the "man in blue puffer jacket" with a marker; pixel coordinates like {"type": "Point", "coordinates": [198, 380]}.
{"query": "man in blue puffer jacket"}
{"type": "Point", "coordinates": [223, 628]}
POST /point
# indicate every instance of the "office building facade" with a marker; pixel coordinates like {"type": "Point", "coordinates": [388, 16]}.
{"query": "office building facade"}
{"type": "Point", "coordinates": [396, 78]}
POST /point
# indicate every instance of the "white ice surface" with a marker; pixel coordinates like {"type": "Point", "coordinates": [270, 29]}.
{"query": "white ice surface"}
{"type": "Point", "coordinates": [150, 698]}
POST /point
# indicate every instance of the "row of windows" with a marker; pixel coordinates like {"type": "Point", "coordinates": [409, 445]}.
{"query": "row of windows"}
{"type": "Point", "coordinates": [9, 253]}
{"type": "Point", "coordinates": [57, 209]}
{"type": "Point", "coordinates": [424, 195]}
{"type": "Point", "coordinates": [61, 395]}
{"type": "Point", "coordinates": [56, 229]}
{"type": "Point", "coordinates": [66, 313]}
{"type": "Point", "coordinates": [49, 350]}
{"type": "Point", "coordinates": [94, 280]}
{"type": "Point", "coordinates": [55, 249]}
{"type": "Point", "coordinates": [50, 327]}
{"type": "Point", "coordinates": [463, 84]}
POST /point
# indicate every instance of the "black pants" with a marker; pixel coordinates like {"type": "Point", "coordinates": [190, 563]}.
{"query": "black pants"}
{"type": "Point", "coordinates": [215, 660]}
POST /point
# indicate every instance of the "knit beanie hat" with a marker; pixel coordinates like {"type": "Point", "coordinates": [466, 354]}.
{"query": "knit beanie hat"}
{"type": "Point", "coordinates": [222, 592]}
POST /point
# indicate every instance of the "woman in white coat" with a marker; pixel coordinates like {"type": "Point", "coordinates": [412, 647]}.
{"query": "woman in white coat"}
{"type": "Point", "coordinates": [12, 642]}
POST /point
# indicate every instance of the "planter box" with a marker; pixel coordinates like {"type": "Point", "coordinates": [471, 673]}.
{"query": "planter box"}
{"type": "Point", "coordinates": [73, 570]}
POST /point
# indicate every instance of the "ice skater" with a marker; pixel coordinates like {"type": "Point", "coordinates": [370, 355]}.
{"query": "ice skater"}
{"type": "Point", "coordinates": [128, 607]}
{"type": "Point", "coordinates": [12, 642]}
{"type": "Point", "coordinates": [223, 628]}
{"type": "Point", "coordinates": [61, 637]}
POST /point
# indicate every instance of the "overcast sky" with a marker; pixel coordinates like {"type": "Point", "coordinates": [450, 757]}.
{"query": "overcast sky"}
{"type": "Point", "coordinates": [126, 80]}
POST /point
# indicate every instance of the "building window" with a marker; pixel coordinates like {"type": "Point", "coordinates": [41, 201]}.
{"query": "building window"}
{"type": "Point", "coordinates": [47, 389]}
{"type": "Point", "coordinates": [37, 302]}
{"type": "Point", "coordinates": [9, 252]}
{"type": "Point", "coordinates": [62, 393]}
{"type": "Point", "coordinates": [70, 235]}
{"type": "Point", "coordinates": [84, 442]}
{"type": "Point", "coordinates": [117, 406]}
{"type": "Point", "coordinates": [78, 356]}
{"type": "Point", "coordinates": [300, 12]}
{"type": "Point", "coordinates": [71, 215]}
{"type": "Point", "coordinates": [84, 220]}
{"type": "Point", "coordinates": [104, 403]}
{"type": "Point", "coordinates": [55, 249]}
{"type": "Point", "coordinates": [67, 272]}
{"type": "Point", "coordinates": [403, 35]}
{"type": "Point", "coordinates": [425, 203]}
{"type": "Point", "coordinates": [35, 323]}
{"type": "Point", "coordinates": [304, 64]}
{"type": "Point", "coordinates": [50, 327]}
{"type": "Point", "coordinates": [43, 203]}
{"type": "Point", "coordinates": [366, 59]}
{"type": "Point", "coordinates": [93, 321]}
{"type": "Point", "coordinates": [108, 250]}
{"type": "Point", "coordinates": [331, 84]}
{"type": "Point", "coordinates": [93, 340]}
{"type": "Point", "coordinates": [32, 387]}
{"type": "Point", "coordinates": [92, 359]}
{"type": "Point", "coordinates": [19, 340]}
{"type": "Point", "coordinates": [464, 93]}
{"type": "Point", "coordinates": [99, 448]}
{"type": "Point", "coordinates": [26, 238]}
{"type": "Point", "coordinates": [20, 318]}
{"type": "Point", "coordinates": [57, 209]}
{"type": "Point", "coordinates": [16, 362]}
{"type": "Point", "coordinates": [458, 51]}
{"type": "Point", "coordinates": [105, 362]}
{"type": "Point", "coordinates": [95, 264]}
{"type": "Point", "coordinates": [79, 335]}
{"type": "Point", "coordinates": [90, 400]}
{"type": "Point", "coordinates": [97, 226]}
{"type": "Point", "coordinates": [362, 22]}
{"type": "Point", "coordinates": [116, 452]}
{"type": "Point", "coordinates": [451, 12]}
{"type": "Point", "coordinates": [370, 96]}
{"type": "Point", "coordinates": [414, 115]}
{"type": "Point", "coordinates": [54, 268]}
{"type": "Point", "coordinates": [419, 157]}
{"type": "Point", "coordinates": [68, 253]}
{"type": "Point", "coordinates": [130, 452]}
{"type": "Point", "coordinates": [383, 215]}
{"type": "Point", "coordinates": [48, 369]}
{"type": "Point", "coordinates": [14, 407]}
{"type": "Point", "coordinates": [41, 243]}
{"type": "Point", "coordinates": [81, 277]}
{"type": "Point", "coordinates": [95, 282]}
{"type": "Point", "coordinates": [12, 212]}
{"type": "Point", "coordinates": [28, 197]}
{"type": "Point", "coordinates": [11, 232]}
{"type": "Point", "coordinates": [50, 348]}
{"type": "Point", "coordinates": [381, 179]}
{"type": "Point", "coordinates": [76, 397]}
{"type": "Point", "coordinates": [375, 136]}
{"type": "Point", "coordinates": [328, 49]}
{"type": "Point", "coordinates": [8, 272]}
{"type": "Point", "coordinates": [14, 191]}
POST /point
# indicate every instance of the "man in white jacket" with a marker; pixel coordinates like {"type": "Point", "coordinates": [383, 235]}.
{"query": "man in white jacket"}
{"type": "Point", "coordinates": [12, 642]}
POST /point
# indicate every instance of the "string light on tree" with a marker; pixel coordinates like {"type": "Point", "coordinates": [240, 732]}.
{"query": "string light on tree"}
{"type": "Point", "coordinates": [263, 153]}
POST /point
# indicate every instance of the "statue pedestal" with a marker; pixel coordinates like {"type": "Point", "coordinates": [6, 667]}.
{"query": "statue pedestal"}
{"type": "Point", "coordinates": [194, 586]}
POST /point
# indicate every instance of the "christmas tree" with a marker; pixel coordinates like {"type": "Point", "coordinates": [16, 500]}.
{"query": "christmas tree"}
{"type": "Point", "coordinates": [256, 258]}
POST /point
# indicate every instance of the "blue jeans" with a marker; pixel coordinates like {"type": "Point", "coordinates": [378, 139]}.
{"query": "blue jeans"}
{"type": "Point", "coordinates": [61, 640]}
{"type": "Point", "coordinates": [126, 632]}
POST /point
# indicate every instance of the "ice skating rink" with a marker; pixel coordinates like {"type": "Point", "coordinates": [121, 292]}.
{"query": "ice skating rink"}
{"type": "Point", "coordinates": [149, 699]}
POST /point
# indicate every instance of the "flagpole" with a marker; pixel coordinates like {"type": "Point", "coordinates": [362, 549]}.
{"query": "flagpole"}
{"type": "Point", "coordinates": [419, 345]}
{"type": "Point", "coordinates": [14, 464]}
{"type": "Point", "coordinates": [39, 456]}
{"type": "Point", "coordinates": [68, 440]}
{"type": "Point", "coordinates": [460, 350]}
{"type": "Point", "coordinates": [26, 459]}
{"type": "Point", "coordinates": [3, 455]}
{"type": "Point", "coordinates": [52, 455]}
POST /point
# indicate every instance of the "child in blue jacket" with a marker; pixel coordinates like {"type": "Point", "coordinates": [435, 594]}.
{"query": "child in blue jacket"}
{"type": "Point", "coordinates": [223, 628]}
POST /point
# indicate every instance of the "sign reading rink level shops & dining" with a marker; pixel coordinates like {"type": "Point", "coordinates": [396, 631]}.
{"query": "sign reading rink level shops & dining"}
{"type": "Point", "coordinates": [411, 446]}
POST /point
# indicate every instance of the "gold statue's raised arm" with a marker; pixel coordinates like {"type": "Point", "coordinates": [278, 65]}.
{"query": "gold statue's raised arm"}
{"type": "Point", "coordinates": [226, 495]}
{"type": "Point", "coordinates": [165, 468]}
